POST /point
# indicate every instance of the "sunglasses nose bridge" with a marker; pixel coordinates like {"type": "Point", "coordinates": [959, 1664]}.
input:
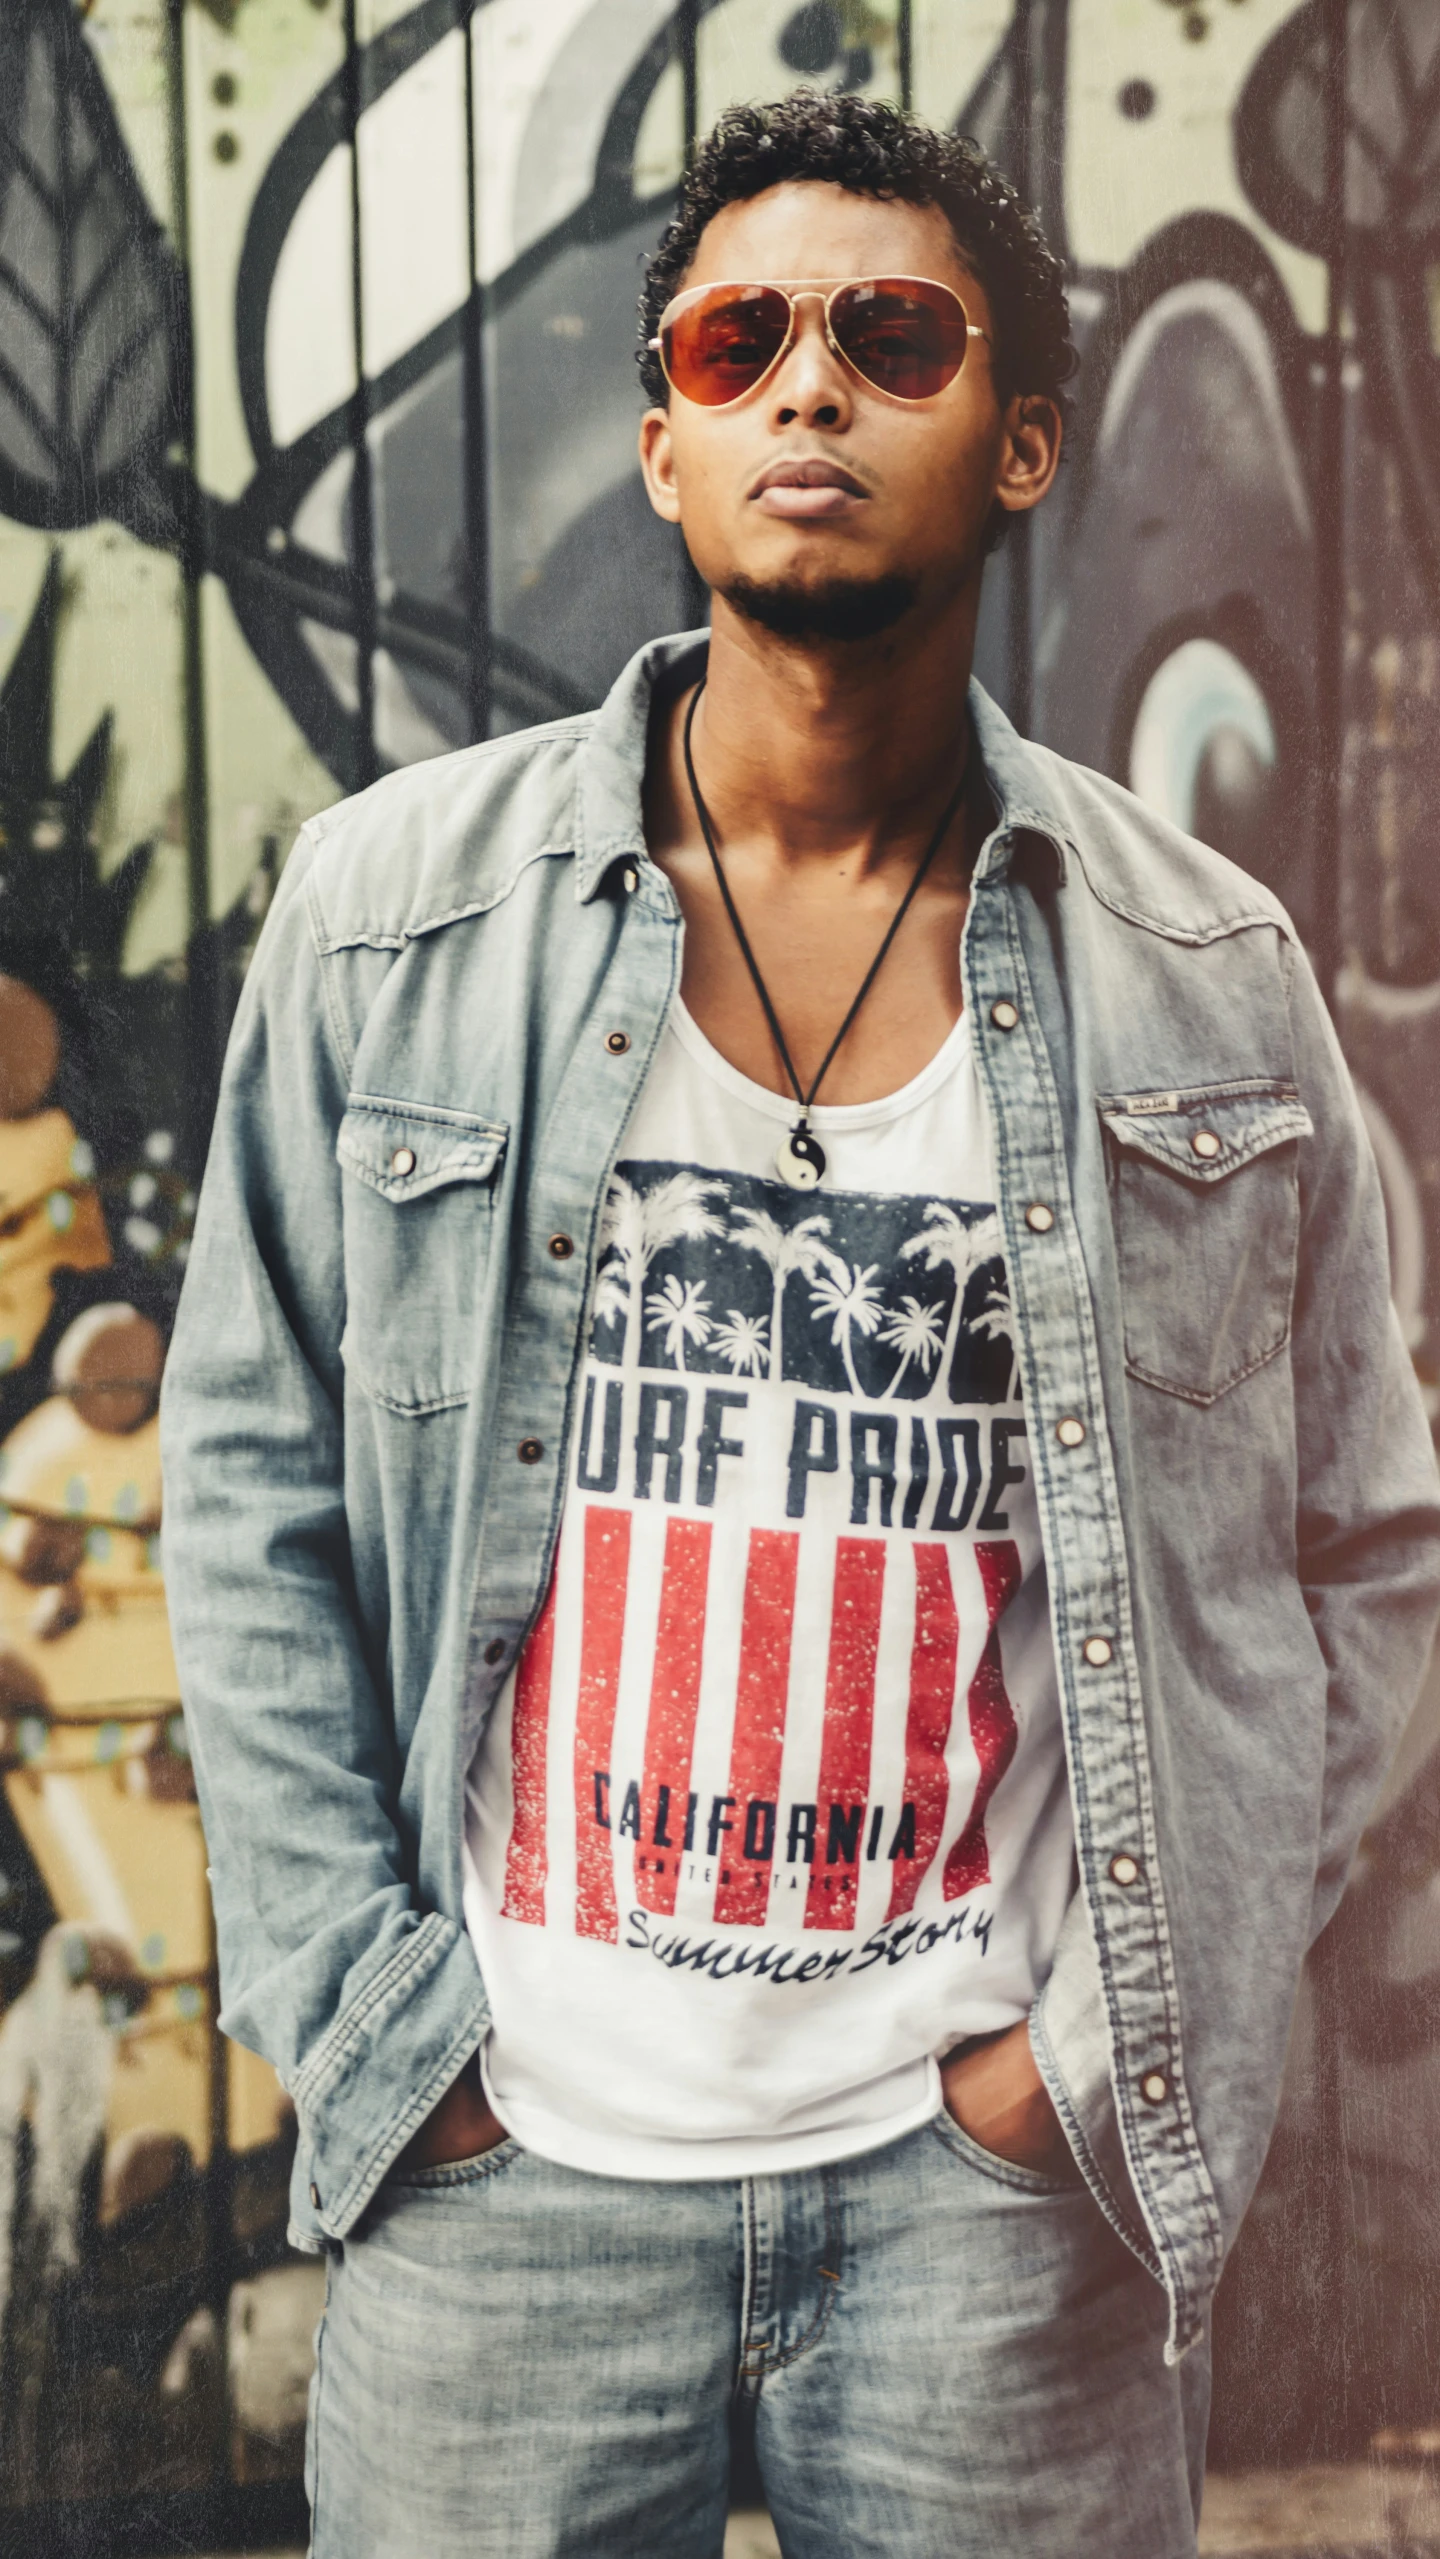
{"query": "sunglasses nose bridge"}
{"type": "Point", "coordinates": [812, 293]}
{"type": "Point", "coordinates": [823, 326]}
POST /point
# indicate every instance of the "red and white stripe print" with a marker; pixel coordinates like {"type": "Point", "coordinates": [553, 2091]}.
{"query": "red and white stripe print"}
{"type": "Point", "coordinates": [674, 1748]}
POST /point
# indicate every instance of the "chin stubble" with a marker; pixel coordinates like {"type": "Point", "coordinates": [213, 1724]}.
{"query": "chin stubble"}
{"type": "Point", "coordinates": [840, 609]}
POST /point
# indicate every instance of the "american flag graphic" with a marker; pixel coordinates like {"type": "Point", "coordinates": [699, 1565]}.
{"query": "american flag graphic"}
{"type": "Point", "coordinates": [767, 1686]}
{"type": "Point", "coordinates": [638, 1838]}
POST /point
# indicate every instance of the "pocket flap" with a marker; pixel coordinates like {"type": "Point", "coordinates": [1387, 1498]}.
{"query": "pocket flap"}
{"type": "Point", "coordinates": [1209, 1131]}
{"type": "Point", "coordinates": [404, 1149]}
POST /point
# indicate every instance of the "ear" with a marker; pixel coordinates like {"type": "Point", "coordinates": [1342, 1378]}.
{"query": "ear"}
{"type": "Point", "coordinates": [657, 464]}
{"type": "Point", "coordinates": [1029, 453]}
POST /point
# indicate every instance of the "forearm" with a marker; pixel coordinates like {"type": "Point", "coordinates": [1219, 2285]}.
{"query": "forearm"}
{"type": "Point", "coordinates": [1371, 1590]}
{"type": "Point", "coordinates": [294, 1768]}
{"type": "Point", "coordinates": [1367, 1501]}
{"type": "Point", "coordinates": [291, 1737]}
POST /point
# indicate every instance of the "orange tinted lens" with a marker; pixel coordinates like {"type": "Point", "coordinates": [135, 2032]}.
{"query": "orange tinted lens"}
{"type": "Point", "coordinates": [718, 346]}
{"type": "Point", "coordinates": [905, 336]}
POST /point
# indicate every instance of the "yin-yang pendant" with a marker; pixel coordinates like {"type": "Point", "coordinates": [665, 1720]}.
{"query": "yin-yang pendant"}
{"type": "Point", "coordinates": [800, 1160]}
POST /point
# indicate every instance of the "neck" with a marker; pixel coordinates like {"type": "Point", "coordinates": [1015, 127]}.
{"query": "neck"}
{"type": "Point", "coordinates": [827, 747]}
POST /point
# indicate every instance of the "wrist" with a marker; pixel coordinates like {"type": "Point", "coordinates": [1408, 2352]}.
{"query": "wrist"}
{"type": "Point", "coordinates": [994, 2092]}
{"type": "Point", "coordinates": [460, 2125]}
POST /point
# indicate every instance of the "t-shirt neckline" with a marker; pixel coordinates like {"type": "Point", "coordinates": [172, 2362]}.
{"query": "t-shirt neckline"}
{"type": "Point", "coordinates": [836, 1116]}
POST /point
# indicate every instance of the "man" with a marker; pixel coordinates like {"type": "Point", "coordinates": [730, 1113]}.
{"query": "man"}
{"type": "Point", "coordinates": [798, 1529]}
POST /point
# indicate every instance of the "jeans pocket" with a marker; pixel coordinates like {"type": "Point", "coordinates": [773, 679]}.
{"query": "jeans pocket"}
{"type": "Point", "coordinates": [1003, 2172]}
{"type": "Point", "coordinates": [456, 2172]}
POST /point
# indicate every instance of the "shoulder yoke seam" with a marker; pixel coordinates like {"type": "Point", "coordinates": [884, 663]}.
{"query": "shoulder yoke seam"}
{"type": "Point", "coordinates": [378, 938]}
{"type": "Point", "coordinates": [1195, 936]}
{"type": "Point", "coordinates": [344, 1048]}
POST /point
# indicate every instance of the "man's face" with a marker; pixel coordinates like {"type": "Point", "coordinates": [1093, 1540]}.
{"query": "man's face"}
{"type": "Point", "coordinates": [912, 482]}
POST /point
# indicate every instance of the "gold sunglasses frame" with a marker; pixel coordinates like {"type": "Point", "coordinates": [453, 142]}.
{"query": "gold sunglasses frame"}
{"type": "Point", "coordinates": [825, 295]}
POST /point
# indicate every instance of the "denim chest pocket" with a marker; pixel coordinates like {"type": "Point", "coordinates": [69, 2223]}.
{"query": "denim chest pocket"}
{"type": "Point", "coordinates": [418, 1212]}
{"type": "Point", "coordinates": [1205, 1194]}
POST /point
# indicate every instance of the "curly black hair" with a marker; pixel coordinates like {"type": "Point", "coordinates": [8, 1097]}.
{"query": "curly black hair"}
{"type": "Point", "coordinates": [872, 149]}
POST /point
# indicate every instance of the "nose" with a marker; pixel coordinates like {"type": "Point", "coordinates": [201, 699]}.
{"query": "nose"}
{"type": "Point", "coordinates": [812, 386]}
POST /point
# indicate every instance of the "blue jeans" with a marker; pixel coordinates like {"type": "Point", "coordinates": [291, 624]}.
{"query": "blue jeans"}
{"type": "Point", "coordinates": [947, 2358]}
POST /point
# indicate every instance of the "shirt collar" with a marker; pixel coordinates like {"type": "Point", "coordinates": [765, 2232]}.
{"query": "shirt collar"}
{"type": "Point", "coordinates": [610, 782]}
{"type": "Point", "coordinates": [1022, 787]}
{"type": "Point", "coordinates": [609, 811]}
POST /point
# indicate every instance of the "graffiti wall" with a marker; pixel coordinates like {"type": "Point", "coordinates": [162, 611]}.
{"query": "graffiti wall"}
{"type": "Point", "coordinates": [317, 416]}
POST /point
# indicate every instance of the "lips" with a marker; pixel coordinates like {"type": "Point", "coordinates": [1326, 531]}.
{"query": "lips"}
{"type": "Point", "coordinates": [807, 486]}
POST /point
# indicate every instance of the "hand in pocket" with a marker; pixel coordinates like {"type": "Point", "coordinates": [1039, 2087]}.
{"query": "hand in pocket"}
{"type": "Point", "coordinates": [461, 2126]}
{"type": "Point", "coordinates": [995, 2093]}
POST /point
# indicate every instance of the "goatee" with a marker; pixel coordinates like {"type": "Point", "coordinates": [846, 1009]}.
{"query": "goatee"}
{"type": "Point", "coordinates": [840, 609]}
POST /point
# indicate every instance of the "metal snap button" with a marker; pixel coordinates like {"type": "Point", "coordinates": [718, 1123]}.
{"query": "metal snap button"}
{"type": "Point", "coordinates": [560, 1248]}
{"type": "Point", "coordinates": [617, 1042]}
{"type": "Point", "coordinates": [1206, 1143]}
{"type": "Point", "coordinates": [530, 1451]}
{"type": "Point", "coordinates": [631, 878]}
{"type": "Point", "coordinates": [1039, 1218]}
{"type": "Point", "coordinates": [1154, 2087]}
{"type": "Point", "coordinates": [1004, 1014]}
{"type": "Point", "coordinates": [1071, 1431]}
{"type": "Point", "coordinates": [1124, 1869]}
{"type": "Point", "coordinates": [495, 1652]}
{"type": "Point", "coordinates": [403, 1160]}
{"type": "Point", "coordinates": [1098, 1650]}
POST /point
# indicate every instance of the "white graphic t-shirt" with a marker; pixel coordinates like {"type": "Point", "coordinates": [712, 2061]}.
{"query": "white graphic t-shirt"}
{"type": "Point", "coordinates": [773, 1809]}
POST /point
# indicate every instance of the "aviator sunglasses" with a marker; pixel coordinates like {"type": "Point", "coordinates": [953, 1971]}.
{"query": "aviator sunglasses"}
{"type": "Point", "coordinates": [902, 334]}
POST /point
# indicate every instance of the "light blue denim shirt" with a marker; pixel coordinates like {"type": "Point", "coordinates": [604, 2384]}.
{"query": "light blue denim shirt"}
{"type": "Point", "coordinates": [454, 1004]}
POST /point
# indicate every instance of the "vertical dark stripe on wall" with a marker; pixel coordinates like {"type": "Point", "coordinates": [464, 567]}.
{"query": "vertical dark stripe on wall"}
{"type": "Point", "coordinates": [221, 2268]}
{"type": "Point", "coordinates": [1018, 563]}
{"type": "Point", "coordinates": [687, 46]}
{"type": "Point", "coordinates": [206, 1023]}
{"type": "Point", "coordinates": [1330, 518]}
{"type": "Point", "coordinates": [905, 52]}
{"type": "Point", "coordinates": [362, 496]}
{"type": "Point", "coordinates": [65, 248]}
{"type": "Point", "coordinates": [473, 448]}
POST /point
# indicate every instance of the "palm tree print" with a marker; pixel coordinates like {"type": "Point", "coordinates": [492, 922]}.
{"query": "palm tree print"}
{"type": "Point", "coordinates": [851, 1298]}
{"type": "Point", "coordinates": [637, 1224]}
{"type": "Point", "coordinates": [681, 1311]}
{"type": "Point", "coordinates": [612, 1295]}
{"type": "Point", "coordinates": [948, 1244]}
{"type": "Point", "coordinates": [784, 1249]}
{"type": "Point", "coordinates": [996, 1320]}
{"type": "Point", "coordinates": [743, 1340]}
{"type": "Point", "coordinates": [728, 1248]}
{"type": "Point", "coordinates": [915, 1329]}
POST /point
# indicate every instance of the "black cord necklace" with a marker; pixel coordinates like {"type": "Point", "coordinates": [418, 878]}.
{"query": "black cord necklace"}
{"type": "Point", "coordinates": [800, 1160]}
